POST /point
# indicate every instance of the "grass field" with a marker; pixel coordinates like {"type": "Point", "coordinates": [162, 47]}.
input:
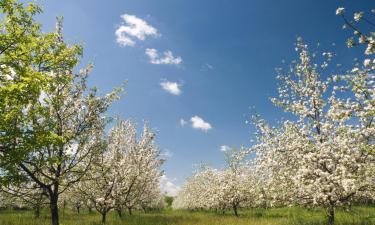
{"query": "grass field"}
{"type": "Point", "coordinates": [283, 216]}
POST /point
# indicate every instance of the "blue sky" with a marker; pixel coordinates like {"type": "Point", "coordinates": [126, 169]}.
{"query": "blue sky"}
{"type": "Point", "coordinates": [228, 52]}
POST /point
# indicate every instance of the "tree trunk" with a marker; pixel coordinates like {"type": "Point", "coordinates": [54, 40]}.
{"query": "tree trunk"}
{"type": "Point", "coordinates": [119, 212]}
{"type": "Point", "coordinates": [104, 215]}
{"type": "Point", "coordinates": [37, 211]}
{"type": "Point", "coordinates": [78, 207]}
{"type": "Point", "coordinates": [130, 211]}
{"type": "Point", "coordinates": [331, 215]}
{"type": "Point", "coordinates": [235, 209]}
{"type": "Point", "coordinates": [64, 206]}
{"type": "Point", "coordinates": [54, 209]}
{"type": "Point", "coordinates": [90, 209]}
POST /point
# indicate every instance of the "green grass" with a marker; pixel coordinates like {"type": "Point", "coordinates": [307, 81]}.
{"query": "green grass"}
{"type": "Point", "coordinates": [281, 216]}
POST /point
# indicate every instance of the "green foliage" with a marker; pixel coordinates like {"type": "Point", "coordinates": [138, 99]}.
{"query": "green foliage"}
{"type": "Point", "coordinates": [27, 56]}
{"type": "Point", "coordinates": [51, 123]}
{"type": "Point", "coordinates": [168, 200]}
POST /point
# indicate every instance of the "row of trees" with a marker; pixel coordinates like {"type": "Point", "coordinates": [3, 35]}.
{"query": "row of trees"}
{"type": "Point", "coordinates": [323, 157]}
{"type": "Point", "coordinates": [124, 174]}
{"type": "Point", "coordinates": [220, 190]}
{"type": "Point", "coordinates": [53, 140]}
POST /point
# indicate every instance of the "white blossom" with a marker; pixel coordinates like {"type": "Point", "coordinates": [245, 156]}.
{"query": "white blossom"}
{"type": "Point", "coordinates": [340, 11]}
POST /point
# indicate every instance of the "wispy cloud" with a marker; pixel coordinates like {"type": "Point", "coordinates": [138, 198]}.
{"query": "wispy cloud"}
{"type": "Point", "coordinates": [224, 148]}
{"type": "Point", "coordinates": [183, 122]}
{"type": "Point", "coordinates": [133, 28]}
{"type": "Point", "coordinates": [209, 66]}
{"type": "Point", "coordinates": [206, 67]}
{"type": "Point", "coordinates": [168, 187]}
{"type": "Point", "coordinates": [171, 87]}
{"type": "Point", "coordinates": [166, 59]}
{"type": "Point", "coordinates": [166, 154]}
{"type": "Point", "coordinates": [198, 123]}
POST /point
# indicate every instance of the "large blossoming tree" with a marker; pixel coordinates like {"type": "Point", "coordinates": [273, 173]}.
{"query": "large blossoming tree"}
{"type": "Point", "coordinates": [319, 159]}
{"type": "Point", "coordinates": [51, 123]}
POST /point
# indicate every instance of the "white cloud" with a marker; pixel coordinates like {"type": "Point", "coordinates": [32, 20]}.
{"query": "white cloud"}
{"type": "Point", "coordinates": [224, 148]}
{"type": "Point", "coordinates": [183, 122]}
{"type": "Point", "coordinates": [166, 154]}
{"type": "Point", "coordinates": [199, 123]}
{"type": "Point", "coordinates": [171, 87]}
{"type": "Point", "coordinates": [167, 59]}
{"type": "Point", "coordinates": [133, 28]}
{"type": "Point", "coordinates": [206, 67]}
{"type": "Point", "coordinates": [209, 66]}
{"type": "Point", "coordinates": [168, 187]}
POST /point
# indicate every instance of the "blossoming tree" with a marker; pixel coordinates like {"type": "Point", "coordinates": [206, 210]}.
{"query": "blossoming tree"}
{"type": "Point", "coordinates": [316, 160]}
{"type": "Point", "coordinates": [126, 174]}
{"type": "Point", "coordinates": [51, 121]}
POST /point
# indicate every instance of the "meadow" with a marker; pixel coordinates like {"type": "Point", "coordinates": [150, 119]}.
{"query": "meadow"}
{"type": "Point", "coordinates": [359, 215]}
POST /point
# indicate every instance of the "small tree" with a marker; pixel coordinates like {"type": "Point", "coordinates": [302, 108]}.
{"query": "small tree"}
{"type": "Point", "coordinates": [126, 174]}
{"type": "Point", "coordinates": [169, 200]}
{"type": "Point", "coordinates": [28, 194]}
{"type": "Point", "coordinates": [99, 184]}
{"type": "Point", "coordinates": [139, 166]}
{"type": "Point", "coordinates": [235, 181]}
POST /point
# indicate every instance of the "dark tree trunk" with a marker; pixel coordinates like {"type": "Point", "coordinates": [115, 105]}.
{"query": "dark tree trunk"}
{"type": "Point", "coordinates": [331, 215]}
{"type": "Point", "coordinates": [119, 212]}
{"type": "Point", "coordinates": [235, 209]}
{"type": "Point", "coordinates": [78, 207]}
{"type": "Point", "coordinates": [37, 211]}
{"type": "Point", "coordinates": [130, 211]}
{"type": "Point", "coordinates": [104, 215]}
{"type": "Point", "coordinates": [54, 209]}
{"type": "Point", "coordinates": [90, 210]}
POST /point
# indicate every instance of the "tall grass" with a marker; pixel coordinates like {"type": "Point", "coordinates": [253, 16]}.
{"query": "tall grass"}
{"type": "Point", "coordinates": [281, 216]}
